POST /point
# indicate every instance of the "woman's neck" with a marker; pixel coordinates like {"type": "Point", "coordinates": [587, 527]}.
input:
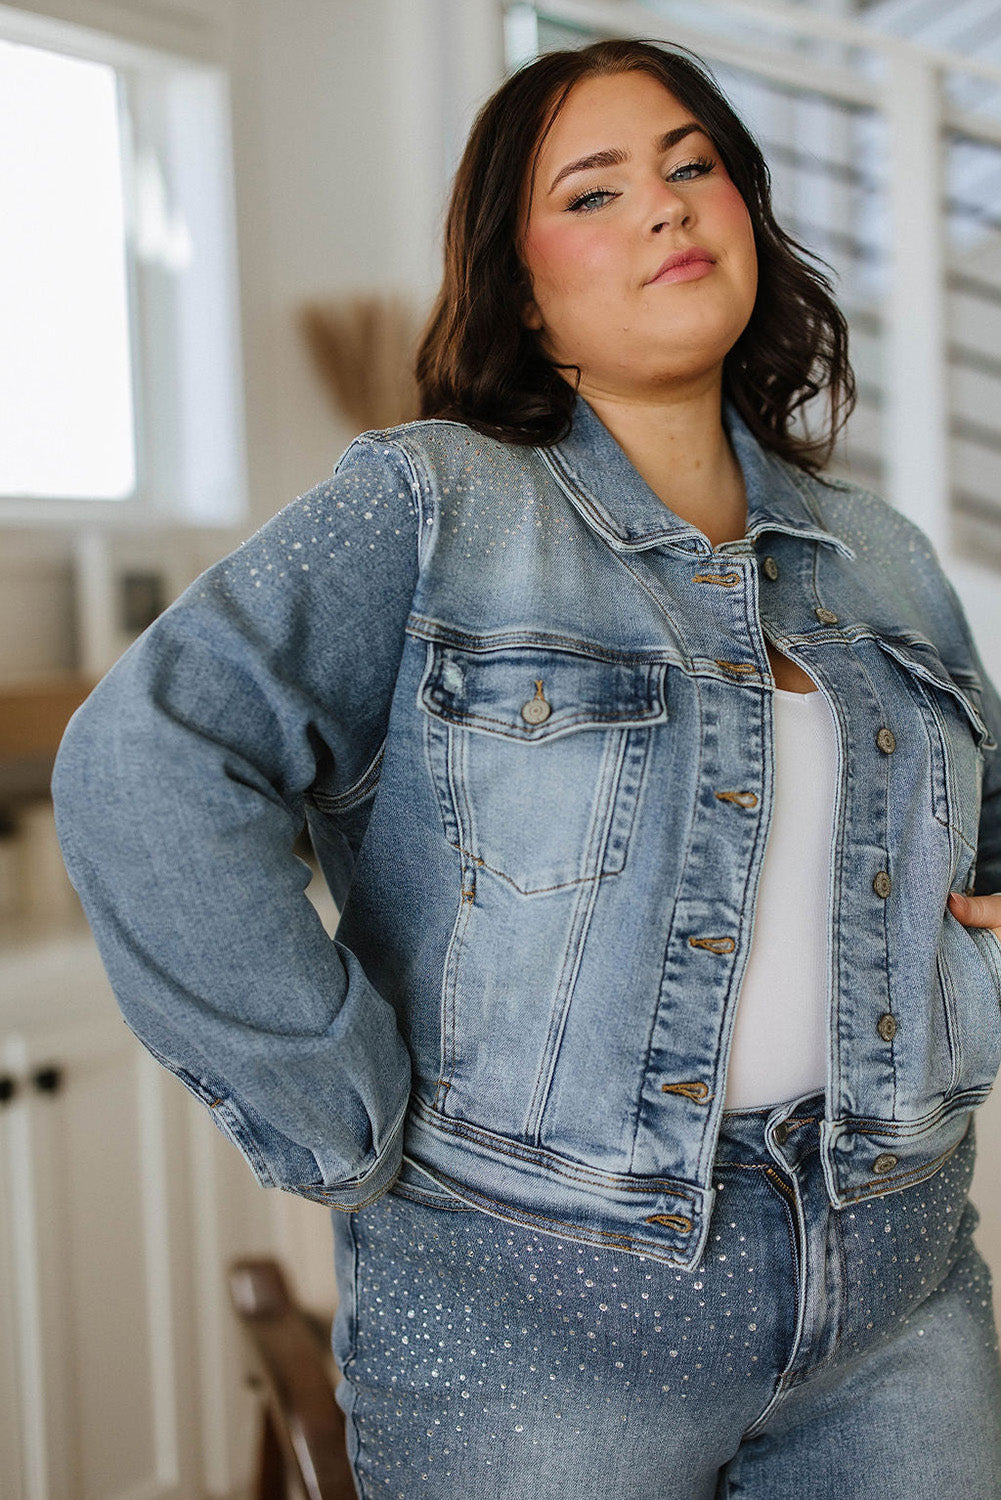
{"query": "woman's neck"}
{"type": "Point", "coordinates": [680, 448]}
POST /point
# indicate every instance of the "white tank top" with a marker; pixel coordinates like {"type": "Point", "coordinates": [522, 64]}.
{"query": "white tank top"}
{"type": "Point", "coordinates": [779, 1047]}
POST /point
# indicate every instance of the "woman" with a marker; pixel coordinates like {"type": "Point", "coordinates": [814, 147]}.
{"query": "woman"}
{"type": "Point", "coordinates": [687, 1140]}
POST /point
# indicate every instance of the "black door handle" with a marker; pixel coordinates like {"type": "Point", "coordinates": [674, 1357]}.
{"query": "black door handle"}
{"type": "Point", "coordinates": [48, 1080]}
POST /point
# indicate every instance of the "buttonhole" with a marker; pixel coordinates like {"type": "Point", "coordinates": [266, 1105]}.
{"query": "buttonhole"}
{"type": "Point", "coordinates": [742, 799]}
{"type": "Point", "coordinates": [742, 668]}
{"type": "Point", "coordinates": [713, 944]}
{"type": "Point", "coordinates": [695, 1090]}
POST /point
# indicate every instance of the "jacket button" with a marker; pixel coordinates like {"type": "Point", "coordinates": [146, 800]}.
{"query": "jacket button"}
{"type": "Point", "coordinates": [826, 616]}
{"type": "Point", "coordinates": [887, 1027]}
{"type": "Point", "coordinates": [886, 740]}
{"type": "Point", "coordinates": [770, 568]}
{"type": "Point", "coordinates": [536, 710]}
{"type": "Point", "coordinates": [885, 1162]}
{"type": "Point", "coordinates": [881, 884]}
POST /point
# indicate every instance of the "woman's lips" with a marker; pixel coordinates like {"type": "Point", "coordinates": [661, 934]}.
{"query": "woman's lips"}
{"type": "Point", "coordinates": [688, 267]}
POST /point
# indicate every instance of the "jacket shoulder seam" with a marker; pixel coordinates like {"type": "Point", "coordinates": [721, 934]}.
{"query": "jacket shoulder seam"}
{"type": "Point", "coordinates": [420, 488]}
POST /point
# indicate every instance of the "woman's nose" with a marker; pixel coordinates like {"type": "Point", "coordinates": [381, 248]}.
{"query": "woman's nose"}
{"type": "Point", "coordinates": [668, 210]}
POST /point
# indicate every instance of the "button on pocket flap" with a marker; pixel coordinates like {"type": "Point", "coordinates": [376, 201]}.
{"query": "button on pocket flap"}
{"type": "Point", "coordinates": [921, 660]}
{"type": "Point", "coordinates": [534, 692]}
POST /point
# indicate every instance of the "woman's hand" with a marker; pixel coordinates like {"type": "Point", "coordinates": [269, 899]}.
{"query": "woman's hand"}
{"type": "Point", "coordinates": [977, 911]}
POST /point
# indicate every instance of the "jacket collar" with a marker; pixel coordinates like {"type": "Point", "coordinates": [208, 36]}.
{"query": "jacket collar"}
{"type": "Point", "coordinates": [608, 491]}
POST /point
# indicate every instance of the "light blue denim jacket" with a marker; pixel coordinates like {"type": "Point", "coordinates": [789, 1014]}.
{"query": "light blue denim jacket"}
{"type": "Point", "coordinates": [527, 714]}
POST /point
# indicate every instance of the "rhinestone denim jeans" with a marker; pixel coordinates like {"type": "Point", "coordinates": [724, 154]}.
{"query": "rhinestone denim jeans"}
{"type": "Point", "coordinates": [840, 1355]}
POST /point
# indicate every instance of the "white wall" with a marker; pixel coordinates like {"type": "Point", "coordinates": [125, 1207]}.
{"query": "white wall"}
{"type": "Point", "coordinates": [344, 147]}
{"type": "Point", "coordinates": [347, 119]}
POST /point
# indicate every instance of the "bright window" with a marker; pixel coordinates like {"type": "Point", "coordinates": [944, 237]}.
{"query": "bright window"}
{"type": "Point", "coordinates": [120, 374]}
{"type": "Point", "coordinates": [66, 411]}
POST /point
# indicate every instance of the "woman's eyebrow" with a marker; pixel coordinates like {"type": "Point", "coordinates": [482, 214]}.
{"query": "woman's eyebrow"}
{"type": "Point", "coordinates": [613, 157]}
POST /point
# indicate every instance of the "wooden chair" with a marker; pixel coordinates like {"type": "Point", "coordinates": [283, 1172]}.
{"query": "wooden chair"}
{"type": "Point", "coordinates": [302, 1444]}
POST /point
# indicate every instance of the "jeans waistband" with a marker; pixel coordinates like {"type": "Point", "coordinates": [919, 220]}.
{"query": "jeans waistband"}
{"type": "Point", "coordinates": [794, 1127]}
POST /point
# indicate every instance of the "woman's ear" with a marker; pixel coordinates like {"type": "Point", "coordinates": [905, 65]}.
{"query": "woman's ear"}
{"type": "Point", "coordinates": [531, 316]}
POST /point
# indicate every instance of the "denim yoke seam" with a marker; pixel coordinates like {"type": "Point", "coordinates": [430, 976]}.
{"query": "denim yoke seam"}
{"type": "Point", "coordinates": [429, 629]}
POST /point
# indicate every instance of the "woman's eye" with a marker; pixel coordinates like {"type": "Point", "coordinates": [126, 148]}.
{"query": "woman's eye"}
{"type": "Point", "coordinates": [586, 203]}
{"type": "Point", "coordinates": [699, 167]}
{"type": "Point", "coordinates": [594, 198]}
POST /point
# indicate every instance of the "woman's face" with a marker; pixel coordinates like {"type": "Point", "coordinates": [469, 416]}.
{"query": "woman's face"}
{"type": "Point", "coordinates": [626, 179]}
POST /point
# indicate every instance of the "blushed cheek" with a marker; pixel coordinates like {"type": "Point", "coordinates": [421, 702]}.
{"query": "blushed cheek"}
{"type": "Point", "coordinates": [735, 224]}
{"type": "Point", "coordinates": [735, 214]}
{"type": "Point", "coordinates": [558, 258]}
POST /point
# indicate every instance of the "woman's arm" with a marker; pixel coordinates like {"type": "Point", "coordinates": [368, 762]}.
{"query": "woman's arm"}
{"type": "Point", "coordinates": [179, 790]}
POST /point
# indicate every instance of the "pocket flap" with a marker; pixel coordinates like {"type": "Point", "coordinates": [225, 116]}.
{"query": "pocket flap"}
{"type": "Point", "coordinates": [534, 693]}
{"type": "Point", "coordinates": [921, 660]}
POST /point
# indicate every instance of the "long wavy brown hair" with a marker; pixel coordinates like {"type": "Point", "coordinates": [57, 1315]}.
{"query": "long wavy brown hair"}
{"type": "Point", "coordinates": [478, 363]}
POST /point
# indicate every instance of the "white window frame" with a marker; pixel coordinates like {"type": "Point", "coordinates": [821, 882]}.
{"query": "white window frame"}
{"type": "Point", "coordinates": [187, 372]}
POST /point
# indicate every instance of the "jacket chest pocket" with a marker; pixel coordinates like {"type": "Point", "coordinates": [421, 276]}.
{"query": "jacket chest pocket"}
{"type": "Point", "coordinates": [538, 755]}
{"type": "Point", "coordinates": [957, 735]}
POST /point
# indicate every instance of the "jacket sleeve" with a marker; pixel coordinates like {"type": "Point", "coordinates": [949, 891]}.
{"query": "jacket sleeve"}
{"type": "Point", "coordinates": [988, 877]}
{"type": "Point", "coordinates": [988, 703]}
{"type": "Point", "coordinates": [179, 789]}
